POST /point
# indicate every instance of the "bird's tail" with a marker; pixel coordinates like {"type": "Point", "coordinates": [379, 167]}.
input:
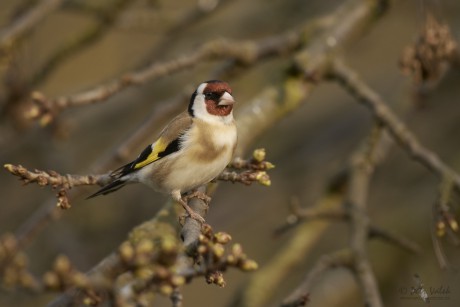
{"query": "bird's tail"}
{"type": "Point", "coordinates": [109, 188]}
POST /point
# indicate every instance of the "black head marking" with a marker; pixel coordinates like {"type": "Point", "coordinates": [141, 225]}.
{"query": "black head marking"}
{"type": "Point", "coordinates": [190, 105]}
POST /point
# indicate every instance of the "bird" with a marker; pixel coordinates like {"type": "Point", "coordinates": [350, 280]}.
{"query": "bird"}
{"type": "Point", "coordinates": [192, 149]}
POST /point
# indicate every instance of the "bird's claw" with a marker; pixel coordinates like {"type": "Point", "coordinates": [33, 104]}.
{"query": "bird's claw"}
{"type": "Point", "coordinates": [199, 195]}
{"type": "Point", "coordinates": [191, 214]}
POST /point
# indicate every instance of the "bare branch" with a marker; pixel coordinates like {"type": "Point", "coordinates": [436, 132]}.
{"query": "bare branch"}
{"type": "Point", "coordinates": [300, 295]}
{"type": "Point", "coordinates": [266, 280]}
{"type": "Point", "coordinates": [363, 163]}
{"type": "Point", "coordinates": [394, 238]}
{"type": "Point", "coordinates": [106, 18]}
{"type": "Point", "coordinates": [61, 183]}
{"type": "Point", "coordinates": [302, 215]}
{"type": "Point", "coordinates": [398, 130]}
{"type": "Point", "coordinates": [252, 172]}
{"type": "Point", "coordinates": [245, 52]}
{"type": "Point", "coordinates": [53, 179]}
{"type": "Point", "coordinates": [23, 24]}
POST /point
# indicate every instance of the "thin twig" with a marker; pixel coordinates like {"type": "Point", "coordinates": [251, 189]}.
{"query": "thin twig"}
{"type": "Point", "coordinates": [106, 18]}
{"type": "Point", "coordinates": [25, 23]}
{"type": "Point", "coordinates": [398, 130]}
{"type": "Point", "coordinates": [246, 52]}
{"type": "Point", "coordinates": [54, 179]}
{"type": "Point", "coordinates": [176, 298]}
{"type": "Point", "coordinates": [249, 172]}
{"type": "Point", "coordinates": [363, 164]}
{"type": "Point", "coordinates": [302, 215]}
{"type": "Point", "coordinates": [394, 238]}
{"type": "Point", "coordinates": [299, 297]}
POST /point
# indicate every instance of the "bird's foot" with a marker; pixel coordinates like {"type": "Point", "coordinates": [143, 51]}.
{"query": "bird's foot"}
{"type": "Point", "coordinates": [199, 195]}
{"type": "Point", "coordinates": [190, 213]}
{"type": "Point", "coordinates": [176, 195]}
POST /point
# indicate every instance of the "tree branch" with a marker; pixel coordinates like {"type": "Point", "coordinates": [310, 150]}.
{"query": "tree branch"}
{"type": "Point", "coordinates": [154, 255]}
{"type": "Point", "coordinates": [397, 129]}
{"type": "Point", "coordinates": [23, 24]}
{"type": "Point", "coordinates": [363, 164]}
{"type": "Point", "coordinates": [244, 52]}
{"type": "Point", "coordinates": [250, 171]}
{"type": "Point", "coordinates": [299, 297]}
{"type": "Point", "coordinates": [302, 215]}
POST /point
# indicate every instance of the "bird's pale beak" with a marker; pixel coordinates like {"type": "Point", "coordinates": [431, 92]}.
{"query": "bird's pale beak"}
{"type": "Point", "coordinates": [226, 99]}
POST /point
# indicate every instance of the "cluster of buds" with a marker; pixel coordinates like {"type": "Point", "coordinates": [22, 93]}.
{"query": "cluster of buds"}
{"type": "Point", "coordinates": [13, 265]}
{"type": "Point", "coordinates": [58, 182]}
{"type": "Point", "coordinates": [44, 178]}
{"type": "Point", "coordinates": [253, 170]}
{"type": "Point", "coordinates": [152, 264]}
{"type": "Point", "coordinates": [215, 257]}
{"type": "Point", "coordinates": [445, 220]}
{"type": "Point", "coordinates": [427, 59]}
{"type": "Point", "coordinates": [41, 109]}
{"type": "Point", "coordinates": [63, 276]}
{"type": "Point", "coordinates": [145, 252]}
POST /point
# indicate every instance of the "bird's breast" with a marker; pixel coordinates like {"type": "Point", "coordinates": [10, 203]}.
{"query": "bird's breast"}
{"type": "Point", "coordinates": [206, 142]}
{"type": "Point", "coordinates": [206, 151]}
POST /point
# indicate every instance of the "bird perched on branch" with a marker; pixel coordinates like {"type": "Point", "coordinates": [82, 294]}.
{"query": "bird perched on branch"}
{"type": "Point", "coordinates": [192, 149]}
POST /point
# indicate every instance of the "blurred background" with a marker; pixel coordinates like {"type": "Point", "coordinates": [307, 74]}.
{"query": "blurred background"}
{"type": "Point", "coordinates": [85, 43]}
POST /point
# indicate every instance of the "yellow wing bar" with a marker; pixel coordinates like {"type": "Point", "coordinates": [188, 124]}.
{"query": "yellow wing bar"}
{"type": "Point", "coordinates": [158, 147]}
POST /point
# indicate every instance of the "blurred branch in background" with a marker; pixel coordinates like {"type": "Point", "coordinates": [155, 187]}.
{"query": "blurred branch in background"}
{"type": "Point", "coordinates": [106, 18]}
{"type": "Point", "coordinates": [161, 255]}
{"type": "Point", "coordinates": [18, 28]}
{"type": "Point", "coordinates": [242, 52]}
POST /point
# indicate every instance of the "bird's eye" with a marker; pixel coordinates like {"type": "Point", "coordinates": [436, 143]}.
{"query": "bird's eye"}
{"type": "Point", "coordinates": [211, 96]}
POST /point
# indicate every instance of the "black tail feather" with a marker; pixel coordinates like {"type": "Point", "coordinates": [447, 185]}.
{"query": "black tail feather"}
{"type": "Point", "coordinates": [109, 188]}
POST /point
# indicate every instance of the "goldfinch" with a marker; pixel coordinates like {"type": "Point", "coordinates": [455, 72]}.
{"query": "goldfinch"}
{"type": "Point", "coordinates": [192, 149]}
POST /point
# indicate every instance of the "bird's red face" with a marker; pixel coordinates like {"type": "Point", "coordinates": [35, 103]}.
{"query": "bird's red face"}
{"type": "Point", "coordinates": [212, 102]}
{"type": "Point", "coordinates": [218, 98]}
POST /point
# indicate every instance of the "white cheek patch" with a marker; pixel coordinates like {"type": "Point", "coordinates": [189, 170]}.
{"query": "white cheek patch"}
{"type": "Point", "coordinates": [201, 88]}
{"type": "Point", "coordinates": [199, 107]}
